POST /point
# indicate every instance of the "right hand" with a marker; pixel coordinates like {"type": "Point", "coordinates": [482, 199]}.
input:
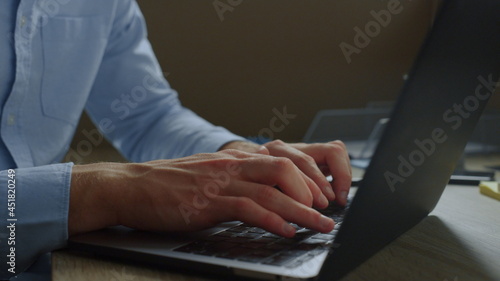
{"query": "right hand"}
{"type": "Point", "coordinates": [195, 193]}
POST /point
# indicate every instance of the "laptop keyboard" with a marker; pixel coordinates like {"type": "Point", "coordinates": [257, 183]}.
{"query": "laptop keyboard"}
{"type": "Point", "coordinates": [252, 244]}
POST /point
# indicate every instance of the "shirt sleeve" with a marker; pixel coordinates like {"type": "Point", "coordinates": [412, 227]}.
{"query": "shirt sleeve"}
{"type": "Point", "coordinates": [33, 215]}
{"type": "Point", "coordinates": [135, 107]}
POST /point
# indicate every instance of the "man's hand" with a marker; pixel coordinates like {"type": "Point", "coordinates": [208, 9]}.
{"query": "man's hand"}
{"type": "Point", "coordinates": [194, 193]}
{"type": "Point", "coordinates": [315, 160]}
{"type": "Point", "coordinates": [202, 190]}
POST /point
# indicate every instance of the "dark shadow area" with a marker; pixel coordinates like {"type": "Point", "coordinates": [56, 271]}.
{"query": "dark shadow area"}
{"type": "Point", "coordinates": [429, 251]}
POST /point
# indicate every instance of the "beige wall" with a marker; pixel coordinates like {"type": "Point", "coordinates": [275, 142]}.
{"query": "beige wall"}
{"type": "Point", "coordinates": [268, 54]}
{"type": "Point", "coordinates": [271, 54]}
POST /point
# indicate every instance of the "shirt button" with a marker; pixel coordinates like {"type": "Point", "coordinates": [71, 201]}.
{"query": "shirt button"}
{"type": "Point", "coordinates": [23, 21]}
{"type": "Point", "coordinates": [11, 120]}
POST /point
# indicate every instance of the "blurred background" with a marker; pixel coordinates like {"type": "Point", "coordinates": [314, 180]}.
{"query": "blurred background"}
{"type": "Point", "coordinates": [234, 61]}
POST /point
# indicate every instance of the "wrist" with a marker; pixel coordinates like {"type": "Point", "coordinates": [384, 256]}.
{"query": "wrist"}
{"type": "Point", "coordinates": [94, 196]}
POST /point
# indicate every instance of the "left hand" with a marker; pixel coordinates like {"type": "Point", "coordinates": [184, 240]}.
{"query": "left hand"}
{"type": "Point", "coordinates": [316, 161]}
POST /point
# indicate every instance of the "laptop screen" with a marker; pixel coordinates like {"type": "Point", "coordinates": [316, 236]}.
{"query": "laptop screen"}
{"type": "Point", "coordinates": [453, 77]}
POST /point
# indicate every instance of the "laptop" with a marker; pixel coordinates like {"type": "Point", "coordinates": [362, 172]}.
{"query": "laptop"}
{"type": "Point", "coordinates": [451, 81]}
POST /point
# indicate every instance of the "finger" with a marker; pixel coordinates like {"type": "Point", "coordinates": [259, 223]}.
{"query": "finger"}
{"type": "Point", "coordinates": [334, 155]}
{"type": "Point", "coordinates": [279, 171]}
{"type": "Point", "coordinates": [347, 157]}
{"type": "Point", "coordinates": [340, 169]}
{"type": "Point", "coordinates": [246, 210]}
{"type": "Point", "coordinates": [308, 166]}
{"type": "Point", "coordinates": [263, 150]}
{"type": "Point", "coordinates": [319, 199]}
{"type": "Point", "coordinates": [284, 206]}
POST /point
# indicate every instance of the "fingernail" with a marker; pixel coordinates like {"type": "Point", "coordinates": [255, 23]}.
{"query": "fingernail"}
{"type": "Point", "coordinates": [288, 229]}
{"type": "Point", "coordinates": [326, 223]}
{"type": "Point", "coordinates": [262, 150]}
{"type": "Point", "coordinates": [343, 195]}
{"type": "Point", "coordinates": [330, 192]}
{"type": "Point", "coordinates": [323, 200]}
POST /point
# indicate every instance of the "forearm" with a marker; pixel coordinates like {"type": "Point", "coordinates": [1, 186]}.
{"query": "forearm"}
{"type": "Point", "coordinates": [94, 196]}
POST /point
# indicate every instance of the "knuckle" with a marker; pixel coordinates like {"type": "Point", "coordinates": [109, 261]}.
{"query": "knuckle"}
{"type": "Point", "coordinates": [241, 204]}
{"type": "Point", "coordinates": [340, 144]}
{"type": "Point", "coordinates": [282, 164]}
{"type": "Point", "coordinates": [337, 149]}
{"type": "Point", "coordinates": [266, 193]}
{"type": "Point", "coordinates": [275, 143]}
{"type": "Point", "coordinates": [234, 153]}
{"type": "Point", "coordinates": [306, 160]}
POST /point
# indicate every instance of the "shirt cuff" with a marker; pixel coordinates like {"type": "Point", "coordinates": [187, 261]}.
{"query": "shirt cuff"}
{"type": "Point", "coordinates": [33, 214]}
{"type": "Point", "coordinates": [216, 140]}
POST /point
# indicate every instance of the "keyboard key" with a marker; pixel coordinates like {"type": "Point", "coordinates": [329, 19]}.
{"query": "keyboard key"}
{"type": "Point", "coordinates": [271, 235]}
{"type": "Point", "coordinates": [317, 251]}
{"type": "Point", "coordinates": [299, 261]}
{"type": "Point", "coordinates": [263, 253]}
{"type": "Point", "coordinates": [253, 245]}
{"type": "Point", "coordinates": [257, 230]}
{"type": "Point", "coordinates": [294, 252]}
{"type": "Point", "coordinates": [257, 255]}
{"type": "Point", "coordinates": [238, 240]}
{"type": "Point", "coordinates": [317, 242]}
{"type": "Point", "coordinates": [295, 263]}
{"type": "Point", "coordinates": [277, 247]}
{"type": "Point", "coordinates": [238, 229]}
{"type": "Point", "coordinates": [249, 235]}
{"type": "Point", "coordinates": [311, 249]}
{"type": "Point", "coordinates": [219, 247]}
{"type": "Point", "coordinates": [233, 253]}
{"type": "Point", "coordinates": [303, 235]}
{"type": "Point", "coordinates": [307, 257]}
{"type": "Point", "coordinates": [264, 240]}
{"type": "Point", "coordinates": [307, 247]}
{"type": "Point", "coordinates": [225, 234]}
{"type": "Point", "coordinates": [286, 241]}
{"type": "Point", "coordinates": [215, 238]}
{"type": "Point", "coordinates": [323, 236]}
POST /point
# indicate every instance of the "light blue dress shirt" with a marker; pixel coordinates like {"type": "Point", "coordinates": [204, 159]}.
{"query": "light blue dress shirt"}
{"type": "Point", "coordinates": [67, 56]}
